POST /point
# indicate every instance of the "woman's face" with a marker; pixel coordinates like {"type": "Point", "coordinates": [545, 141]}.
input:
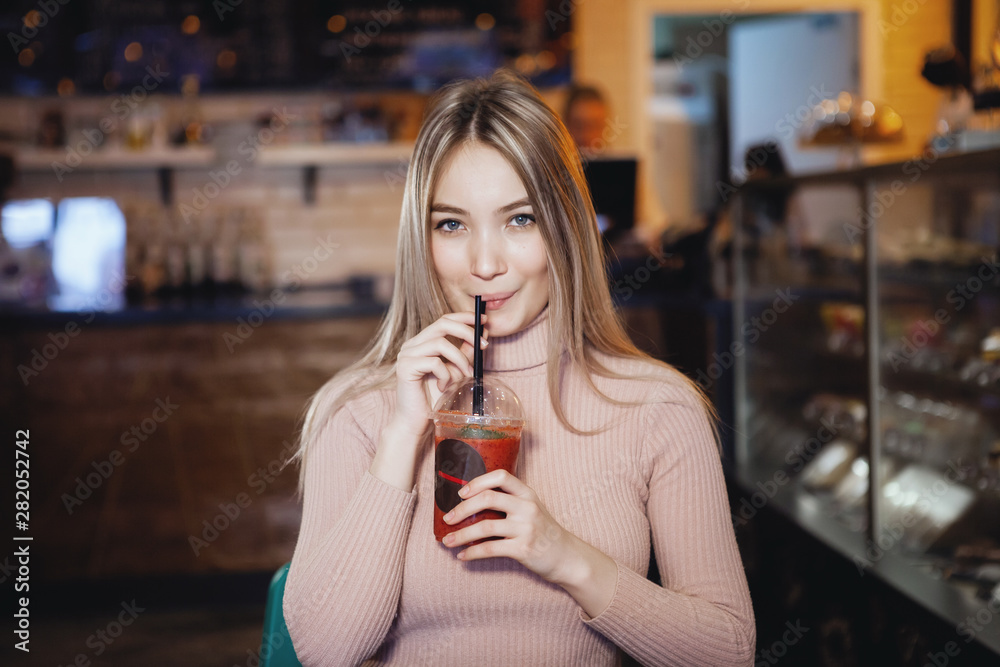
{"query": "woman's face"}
{"type": "Point", "coordinates": [484, 240]}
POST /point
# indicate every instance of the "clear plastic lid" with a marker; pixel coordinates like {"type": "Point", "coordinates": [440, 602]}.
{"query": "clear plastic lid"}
{"type": "Point", "coordinates": [501, 406]}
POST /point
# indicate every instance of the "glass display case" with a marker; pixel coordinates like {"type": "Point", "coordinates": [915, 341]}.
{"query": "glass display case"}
{"type": "Point", "coordinates": [866, 355]}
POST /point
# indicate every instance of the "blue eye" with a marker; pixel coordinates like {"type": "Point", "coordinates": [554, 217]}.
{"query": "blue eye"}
{"type": "Point", "coordinates": [522, 220]}
{"type": "Point", "coordinates": [449, 225]}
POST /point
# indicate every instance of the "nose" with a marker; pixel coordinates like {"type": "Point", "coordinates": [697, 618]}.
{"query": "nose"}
{"type": "Point", "coordinates": [487, 257]}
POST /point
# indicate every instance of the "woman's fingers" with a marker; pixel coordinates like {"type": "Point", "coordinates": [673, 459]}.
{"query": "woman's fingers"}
{"type": "Point", "coordinates": [457, 325]}
{"type": "Point", "coordinates": [480, 531]}
{"type": "Point", "coordinates": [496, 479]}
{"type": "Point", "coordinates": [436, 348]}
{"type": "Point", "coordinates": [443, 351]}
{"type": "Point", "coordinates": [487, 500]}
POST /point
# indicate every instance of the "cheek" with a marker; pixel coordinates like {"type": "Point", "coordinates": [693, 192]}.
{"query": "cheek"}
{"type": "Point", "coordinates": [536, 261]}
{"type": "Point", "coordinates": [442, 262]}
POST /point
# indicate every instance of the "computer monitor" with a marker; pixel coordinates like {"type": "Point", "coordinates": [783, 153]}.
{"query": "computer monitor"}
{"type": "Point", "coordinates": [612, 183]}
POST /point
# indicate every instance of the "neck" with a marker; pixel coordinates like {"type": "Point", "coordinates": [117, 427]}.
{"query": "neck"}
{"type": "Point", "coordinates": [527, 348]}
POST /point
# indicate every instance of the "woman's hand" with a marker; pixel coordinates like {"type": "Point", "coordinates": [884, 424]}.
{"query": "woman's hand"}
{"type": "Point", "coordinates": [425, 366]}
{"type": "Point", "coordinates": [428, 364]}
{"type": "Point", "coordinates": [533, 538]}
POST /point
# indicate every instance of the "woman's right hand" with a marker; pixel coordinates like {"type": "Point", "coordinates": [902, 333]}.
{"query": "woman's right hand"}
{"type": "Point", "coordinates": [428, 364]}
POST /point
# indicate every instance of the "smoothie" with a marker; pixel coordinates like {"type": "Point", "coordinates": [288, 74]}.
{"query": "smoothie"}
{"type": "Point", "coordinates": [462, 452]}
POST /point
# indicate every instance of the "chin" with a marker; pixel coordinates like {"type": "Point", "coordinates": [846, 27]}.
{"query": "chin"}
{"type": "Point", "coordinates": [501, 326]}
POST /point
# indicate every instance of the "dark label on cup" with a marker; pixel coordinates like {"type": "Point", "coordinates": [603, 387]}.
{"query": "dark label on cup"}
{"type": "Point", "coordinates": [455, 465]}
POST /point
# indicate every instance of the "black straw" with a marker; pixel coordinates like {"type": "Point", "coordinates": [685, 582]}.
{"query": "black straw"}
{"type": "Point", "coordinates": [477, 360]}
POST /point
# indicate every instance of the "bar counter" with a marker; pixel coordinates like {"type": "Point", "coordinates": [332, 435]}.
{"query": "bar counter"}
{"type": "Point", "coordinates": [160, 430]}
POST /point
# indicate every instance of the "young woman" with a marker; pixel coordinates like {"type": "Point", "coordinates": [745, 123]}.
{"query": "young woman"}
{"type": "Point", "coordinates": [618, 449]}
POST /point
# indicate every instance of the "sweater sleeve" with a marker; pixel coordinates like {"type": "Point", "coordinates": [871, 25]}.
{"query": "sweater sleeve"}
{"type": "Point", "coordinates": [343, 586]}
{"type": "Point", "coordinates": [702, 614]}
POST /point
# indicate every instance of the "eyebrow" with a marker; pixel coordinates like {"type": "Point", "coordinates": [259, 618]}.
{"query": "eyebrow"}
{"type": "Point", "coordinates": [448, 208]}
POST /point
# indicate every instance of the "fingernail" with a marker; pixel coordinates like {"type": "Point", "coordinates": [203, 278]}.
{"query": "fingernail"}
{"type": "Point", "coordinates": [464, 491]}
{"type": "Point", "coordinates": [448, 517]}
{"type": "Point", "coordinates": [484, 341]}
{"type": "Point", "coordinates": [449, 538]}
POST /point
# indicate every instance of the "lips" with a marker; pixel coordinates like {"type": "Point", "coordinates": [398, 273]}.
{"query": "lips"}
{"type": "Point", "coordinates": [496, 301]}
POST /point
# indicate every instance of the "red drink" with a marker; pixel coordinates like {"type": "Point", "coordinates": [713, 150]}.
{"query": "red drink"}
{"type": "Point", "coordinates": [462, 452]}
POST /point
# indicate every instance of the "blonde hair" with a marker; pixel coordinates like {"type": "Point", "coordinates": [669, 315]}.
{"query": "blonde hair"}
{"type": "Point", "coordinates": [506, 113]}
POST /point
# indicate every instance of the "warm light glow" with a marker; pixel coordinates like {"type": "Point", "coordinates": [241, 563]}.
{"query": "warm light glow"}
{"type": "Point", "coordinates": [32, 18]}
{"type": "Point", "coordinates": [891, 121]}
{"type": "Point", "coordinates": [867, 108]}
{"type": "Point", "coordinates": [336, 23]}
{"type": "Point", "coordinates": [111, 80]}
{"type": "Point", "coordinates": [190, 84]}
{"type": "Point", "coordinates": [26, 57]}
{"type": "Point", "coordinates": [191, 25]}
{"type": "Point", "coordinates": [546, 60]}
{"type": "Point", "coordinates": [193, 132]}
{"type": "Point", "coordinates": [66, 88]}
{"type": "Point", "coordinates": [485, 21]}
{"type": "Point", "coordinates": [133, 52]}
{"type": "Point", "coordinates": [226, 59]}
{"type": "Point", "coordinates": [844, 100]}
{"type": "Point", "coordinates": [525, 64]}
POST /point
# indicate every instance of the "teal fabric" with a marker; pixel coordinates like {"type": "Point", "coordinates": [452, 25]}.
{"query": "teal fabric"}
{"type": "Point", "coordinates": [276, 646]}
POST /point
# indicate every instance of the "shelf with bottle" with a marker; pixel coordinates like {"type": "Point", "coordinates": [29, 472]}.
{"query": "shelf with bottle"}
{"type": "Point", "coordinates": [115, 159]}
{"type": "Point", "coordinates": [206, 157]}
{"type": "Point", "coordinates": [222, 252]}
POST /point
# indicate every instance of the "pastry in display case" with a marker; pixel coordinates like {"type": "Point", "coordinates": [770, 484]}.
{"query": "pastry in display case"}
{"type": "Point", "coordinates": [875, 395]}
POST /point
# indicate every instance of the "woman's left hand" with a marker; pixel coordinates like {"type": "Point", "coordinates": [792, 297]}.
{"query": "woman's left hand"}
{"type": "Point", "coordinates": [531, 536]}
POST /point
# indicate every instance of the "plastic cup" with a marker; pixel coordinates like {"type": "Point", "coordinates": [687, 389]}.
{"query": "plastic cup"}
{"type": "Point", "coordinates": [467, 445]}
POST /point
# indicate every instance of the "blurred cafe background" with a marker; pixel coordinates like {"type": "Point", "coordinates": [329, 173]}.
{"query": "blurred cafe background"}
{"type": "Point", "coordinates": [801, 210]}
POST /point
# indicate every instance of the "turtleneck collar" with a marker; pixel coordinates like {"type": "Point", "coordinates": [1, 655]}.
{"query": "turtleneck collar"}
{"type": "Point", "coordinates": [527, 348]}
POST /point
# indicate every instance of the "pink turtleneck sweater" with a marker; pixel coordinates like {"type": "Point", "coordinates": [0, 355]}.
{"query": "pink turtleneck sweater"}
{"type": "Point", "coordinates": [369, 584]}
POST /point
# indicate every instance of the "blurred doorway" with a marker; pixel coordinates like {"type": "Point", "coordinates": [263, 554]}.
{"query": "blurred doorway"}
{"type": "Point", "coordinates": [724, 82]}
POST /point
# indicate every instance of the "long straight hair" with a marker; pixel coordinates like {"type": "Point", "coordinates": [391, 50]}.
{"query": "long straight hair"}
{"type": "Point", "coordinates": [506, 113]}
